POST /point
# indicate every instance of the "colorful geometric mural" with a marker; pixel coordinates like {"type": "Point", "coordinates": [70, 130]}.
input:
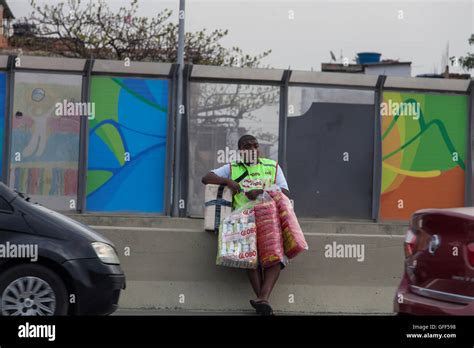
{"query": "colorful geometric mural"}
{"type": "Point", "coordinates": [3, 90]}
{"type": "Point", "coordinates": [127, 145]}
{"type": "Point", "coordinates": [45, 147]}
{"type": "Point", "coordinates": [424, 142]}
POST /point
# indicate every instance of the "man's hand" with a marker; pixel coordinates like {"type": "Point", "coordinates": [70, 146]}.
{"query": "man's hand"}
{"type": "Point", "coordinates": [211, 178]}
{"type": "Point", "coordinates": [235, 187]}
{"type": "Point", "coordinates": [253, 194]}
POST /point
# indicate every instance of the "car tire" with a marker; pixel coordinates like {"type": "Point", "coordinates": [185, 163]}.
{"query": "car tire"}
{"type": "Point", "coordinates": [51, 292]}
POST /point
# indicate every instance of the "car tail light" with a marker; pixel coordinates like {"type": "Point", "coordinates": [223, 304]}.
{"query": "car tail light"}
{"type": "Point", "coordinates": [410, 242]}
{"type": "Point", "coordinates": [470, 253]}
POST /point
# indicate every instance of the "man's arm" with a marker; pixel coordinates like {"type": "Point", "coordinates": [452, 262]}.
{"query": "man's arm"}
{"type": "Point", "coordinates": [281, 182]}
{"type": "Point", "coordinates": [222, 179]}
{"type": "Point", "coordinates": [286, 192]}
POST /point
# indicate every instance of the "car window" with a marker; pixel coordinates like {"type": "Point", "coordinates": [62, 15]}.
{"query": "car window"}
{"type": "Point", "coordinates": [5, 207]}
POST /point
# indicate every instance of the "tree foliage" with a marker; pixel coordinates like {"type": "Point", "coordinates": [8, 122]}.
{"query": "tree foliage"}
{"type": "Point", "coordinates": [92, 29]}
{"type": "Point", "coordinates": [467, 62]}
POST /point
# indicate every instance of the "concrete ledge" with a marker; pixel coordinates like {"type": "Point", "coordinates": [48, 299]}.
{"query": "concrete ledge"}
{"type": "Point", "coordinates": [137, 220]}
{"type": "Point", "coordinates": [320, 225]}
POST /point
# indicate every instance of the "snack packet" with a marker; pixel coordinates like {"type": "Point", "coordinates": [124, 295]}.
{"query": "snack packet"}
{"type": "Point", "coordinates": [237, 241]}
{"type": "Point", "coordinates": [269, 237]}
{"type": "Point", "coordinates": [294, 241]}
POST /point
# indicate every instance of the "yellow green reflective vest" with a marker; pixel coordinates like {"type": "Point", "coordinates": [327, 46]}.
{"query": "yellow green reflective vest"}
{"type": "Point", "coordinates": [259, 176]}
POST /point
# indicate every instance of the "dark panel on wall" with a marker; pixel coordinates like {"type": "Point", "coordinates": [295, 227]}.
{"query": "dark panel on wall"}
{"type": "Point", "coordinates": [330, 157]}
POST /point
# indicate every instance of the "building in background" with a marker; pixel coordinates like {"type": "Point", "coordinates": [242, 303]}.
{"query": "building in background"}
{"type": "Point", "coordinates": [6, 18]}
{"type": "Point", "coordinates": [369, 63]}
{"type": "Point", "coordinates": [446, 75]}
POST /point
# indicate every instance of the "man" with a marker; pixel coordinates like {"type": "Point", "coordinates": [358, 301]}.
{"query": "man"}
{"type": "Point", "coordinates": [254, 174]}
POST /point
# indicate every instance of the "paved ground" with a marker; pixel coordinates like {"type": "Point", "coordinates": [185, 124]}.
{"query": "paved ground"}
{"type": "Point", "coordinates": [151, 312]}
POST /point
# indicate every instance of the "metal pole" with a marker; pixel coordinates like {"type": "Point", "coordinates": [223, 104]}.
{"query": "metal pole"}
{"type": "Point", "coordinates": [8, 120]}
{"type": "Point", "coordinates": [84, 139]}
{"type": "Point", "coordinates": [179, 98]}
{"type": "Point", "coordinates": [469, 175]}
{"type": "Point", "coordinates": [168, 199]}
{"type": "Point", "coordinates": [283, 128]}
{"type": "Point", "coordinates": [377, 161]}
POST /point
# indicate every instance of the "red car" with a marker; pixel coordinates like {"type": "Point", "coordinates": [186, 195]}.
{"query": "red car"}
{"type": "Point", "coordinates": [439, 264]}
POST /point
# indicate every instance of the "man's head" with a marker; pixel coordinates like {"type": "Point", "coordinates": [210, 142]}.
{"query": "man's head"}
{"type": "Point", "coordinates": [248, 149]}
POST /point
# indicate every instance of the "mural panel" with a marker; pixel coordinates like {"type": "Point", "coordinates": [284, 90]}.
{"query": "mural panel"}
{"type": "Point", "coordinates": [127, 145]}
{"type": "Point", "coordinates": [424, 142]}
{"type": "Point", "coordinates": [45, 144]}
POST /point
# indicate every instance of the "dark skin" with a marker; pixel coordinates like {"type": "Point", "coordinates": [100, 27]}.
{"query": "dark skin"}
{"type": "Point", "coordinates": [248, 146]}
{"type": "Point", "coordinates": [262, 280]}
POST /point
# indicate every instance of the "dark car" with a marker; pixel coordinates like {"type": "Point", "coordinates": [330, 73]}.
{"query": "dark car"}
{"type": "Point", "coordinates": [439, 266]}
{"type": "Point", "coordinates": [53, 265]}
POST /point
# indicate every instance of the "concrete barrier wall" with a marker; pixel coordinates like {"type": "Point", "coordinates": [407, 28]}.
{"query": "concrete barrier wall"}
{"type": "Point", "coordinates": [175, 260]}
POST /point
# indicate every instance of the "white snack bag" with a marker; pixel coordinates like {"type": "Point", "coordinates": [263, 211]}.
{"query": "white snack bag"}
{"type": "Point", "coordinates": [237, 242]}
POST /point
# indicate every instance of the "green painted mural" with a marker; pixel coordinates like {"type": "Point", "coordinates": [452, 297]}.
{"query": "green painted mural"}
{"type": "Point", "coordinates": [424, 143]}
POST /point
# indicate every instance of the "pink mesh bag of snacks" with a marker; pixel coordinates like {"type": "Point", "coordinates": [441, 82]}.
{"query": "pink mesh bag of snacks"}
{"type": "Point", "coordinates": [294, 241]}
{"type": "Point", "coordinates": [269, 237]}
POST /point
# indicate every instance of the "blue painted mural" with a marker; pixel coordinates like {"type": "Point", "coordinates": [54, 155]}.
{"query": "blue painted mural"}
{"type": "Point", "coordinates": [127, 145]}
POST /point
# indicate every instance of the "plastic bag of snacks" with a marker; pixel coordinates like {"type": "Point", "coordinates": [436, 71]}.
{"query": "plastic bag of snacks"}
{"type": "Point", "coordinates": [237, 241]}
{"type": "Point", "coordinates": [269, 237]}
{"type": "Point", "coordinates": [293, 237]}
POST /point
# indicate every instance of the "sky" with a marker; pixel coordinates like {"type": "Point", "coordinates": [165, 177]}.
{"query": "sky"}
{"type": "Point", "coordinates": [301, 33]}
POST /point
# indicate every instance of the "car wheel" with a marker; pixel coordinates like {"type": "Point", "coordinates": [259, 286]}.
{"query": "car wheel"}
{"type": "Point", "coordinates": [28, 290]}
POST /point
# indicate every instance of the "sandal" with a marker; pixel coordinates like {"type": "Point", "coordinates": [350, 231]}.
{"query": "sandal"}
{"type": "Point", "coordinates": [262, 307]}
{"type": "Point", "coordinates": [253, 303]}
